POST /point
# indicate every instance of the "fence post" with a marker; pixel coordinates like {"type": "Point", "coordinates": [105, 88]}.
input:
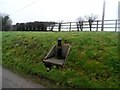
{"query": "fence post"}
{"type": "Point", "coordinates": [116, 26]}
{"type": "Point", "coordinates": [97, 26]}
{"type": "Point", "coordinates": [77, 26]}
{"type": "Point", "coordinates": [59, 27]}
{"type": "Point", "coordinates": [70, 27]}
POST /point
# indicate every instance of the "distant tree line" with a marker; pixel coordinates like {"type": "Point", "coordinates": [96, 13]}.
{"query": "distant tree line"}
{"type": "Point", "coordinates": [29, 26]}
{"type": "Point", "coordinates": [34, 26]}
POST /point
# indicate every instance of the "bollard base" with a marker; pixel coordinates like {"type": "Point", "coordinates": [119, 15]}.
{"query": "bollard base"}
{"type": "Point", "coordinates": [55, 60]}
{"type": "Point", "coordinates": [52, 59]}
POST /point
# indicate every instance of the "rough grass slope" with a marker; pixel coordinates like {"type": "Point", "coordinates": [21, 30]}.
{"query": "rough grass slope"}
{"type": "Point", "coordinates": [92, 61]}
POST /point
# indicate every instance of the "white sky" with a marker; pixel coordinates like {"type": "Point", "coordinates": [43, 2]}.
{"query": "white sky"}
{"type": "Point", "coordinates": [56, 10]}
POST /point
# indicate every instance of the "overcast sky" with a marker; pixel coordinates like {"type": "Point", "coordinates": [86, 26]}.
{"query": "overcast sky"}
{"type": "Point", "coordinates": [56, 10]}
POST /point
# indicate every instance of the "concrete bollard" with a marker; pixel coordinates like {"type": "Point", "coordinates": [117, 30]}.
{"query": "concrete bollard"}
{"type": "Point", "coordinates": [59, 48]}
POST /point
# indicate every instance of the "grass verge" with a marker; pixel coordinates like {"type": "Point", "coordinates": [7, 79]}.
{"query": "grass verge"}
{"type": "Point", "coordinates": [91, 63]}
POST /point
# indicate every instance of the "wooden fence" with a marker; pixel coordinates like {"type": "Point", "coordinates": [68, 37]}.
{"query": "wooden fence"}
{"type": "Point", "coordinates": [109, 25]}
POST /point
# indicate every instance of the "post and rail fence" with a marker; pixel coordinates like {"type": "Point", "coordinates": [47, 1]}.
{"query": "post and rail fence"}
{"type": "Point", "coordinates": [109, 25]}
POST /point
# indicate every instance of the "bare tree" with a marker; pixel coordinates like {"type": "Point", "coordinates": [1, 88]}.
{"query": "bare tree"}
{"type": "Point", "coordinates": [79, 23]}
{"type": "Point", "coordinates": [51, 25]}
{"type": "Point", "coordinates": [91, 19]}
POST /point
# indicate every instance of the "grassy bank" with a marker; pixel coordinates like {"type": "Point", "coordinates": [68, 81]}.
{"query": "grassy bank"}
{"type": "Point", "coordinates": [92, 61]}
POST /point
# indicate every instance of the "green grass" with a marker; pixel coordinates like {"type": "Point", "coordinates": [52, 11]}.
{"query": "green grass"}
{"type": "Point", "coordinates": [91, 63]}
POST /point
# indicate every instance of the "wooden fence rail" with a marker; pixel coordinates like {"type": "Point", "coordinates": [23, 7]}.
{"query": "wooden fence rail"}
{"type": "Point", "coordinates": [96, 26]}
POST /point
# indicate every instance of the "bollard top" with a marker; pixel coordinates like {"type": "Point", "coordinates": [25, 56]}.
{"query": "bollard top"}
{"type": "Point", "coordinates": [59, 39]}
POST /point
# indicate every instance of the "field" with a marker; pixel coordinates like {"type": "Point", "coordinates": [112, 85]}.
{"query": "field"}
{"type": "Point", "coordinates": [91, 63]}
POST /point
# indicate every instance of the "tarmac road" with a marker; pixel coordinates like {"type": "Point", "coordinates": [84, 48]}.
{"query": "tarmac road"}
{"type": "Point", "coordinates": [12, 80]}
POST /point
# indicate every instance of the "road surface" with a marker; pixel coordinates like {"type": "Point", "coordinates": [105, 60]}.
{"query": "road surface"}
{"type": "Point", "coordinates": [12, 80]}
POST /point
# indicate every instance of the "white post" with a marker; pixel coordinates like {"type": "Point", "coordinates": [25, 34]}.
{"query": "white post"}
{"type": "Point", "coordinates": [1, 53]}
{"type": "Point", "coordinates": [119, 16]}
{"type": "Point", "coordinates": [103, 15]}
